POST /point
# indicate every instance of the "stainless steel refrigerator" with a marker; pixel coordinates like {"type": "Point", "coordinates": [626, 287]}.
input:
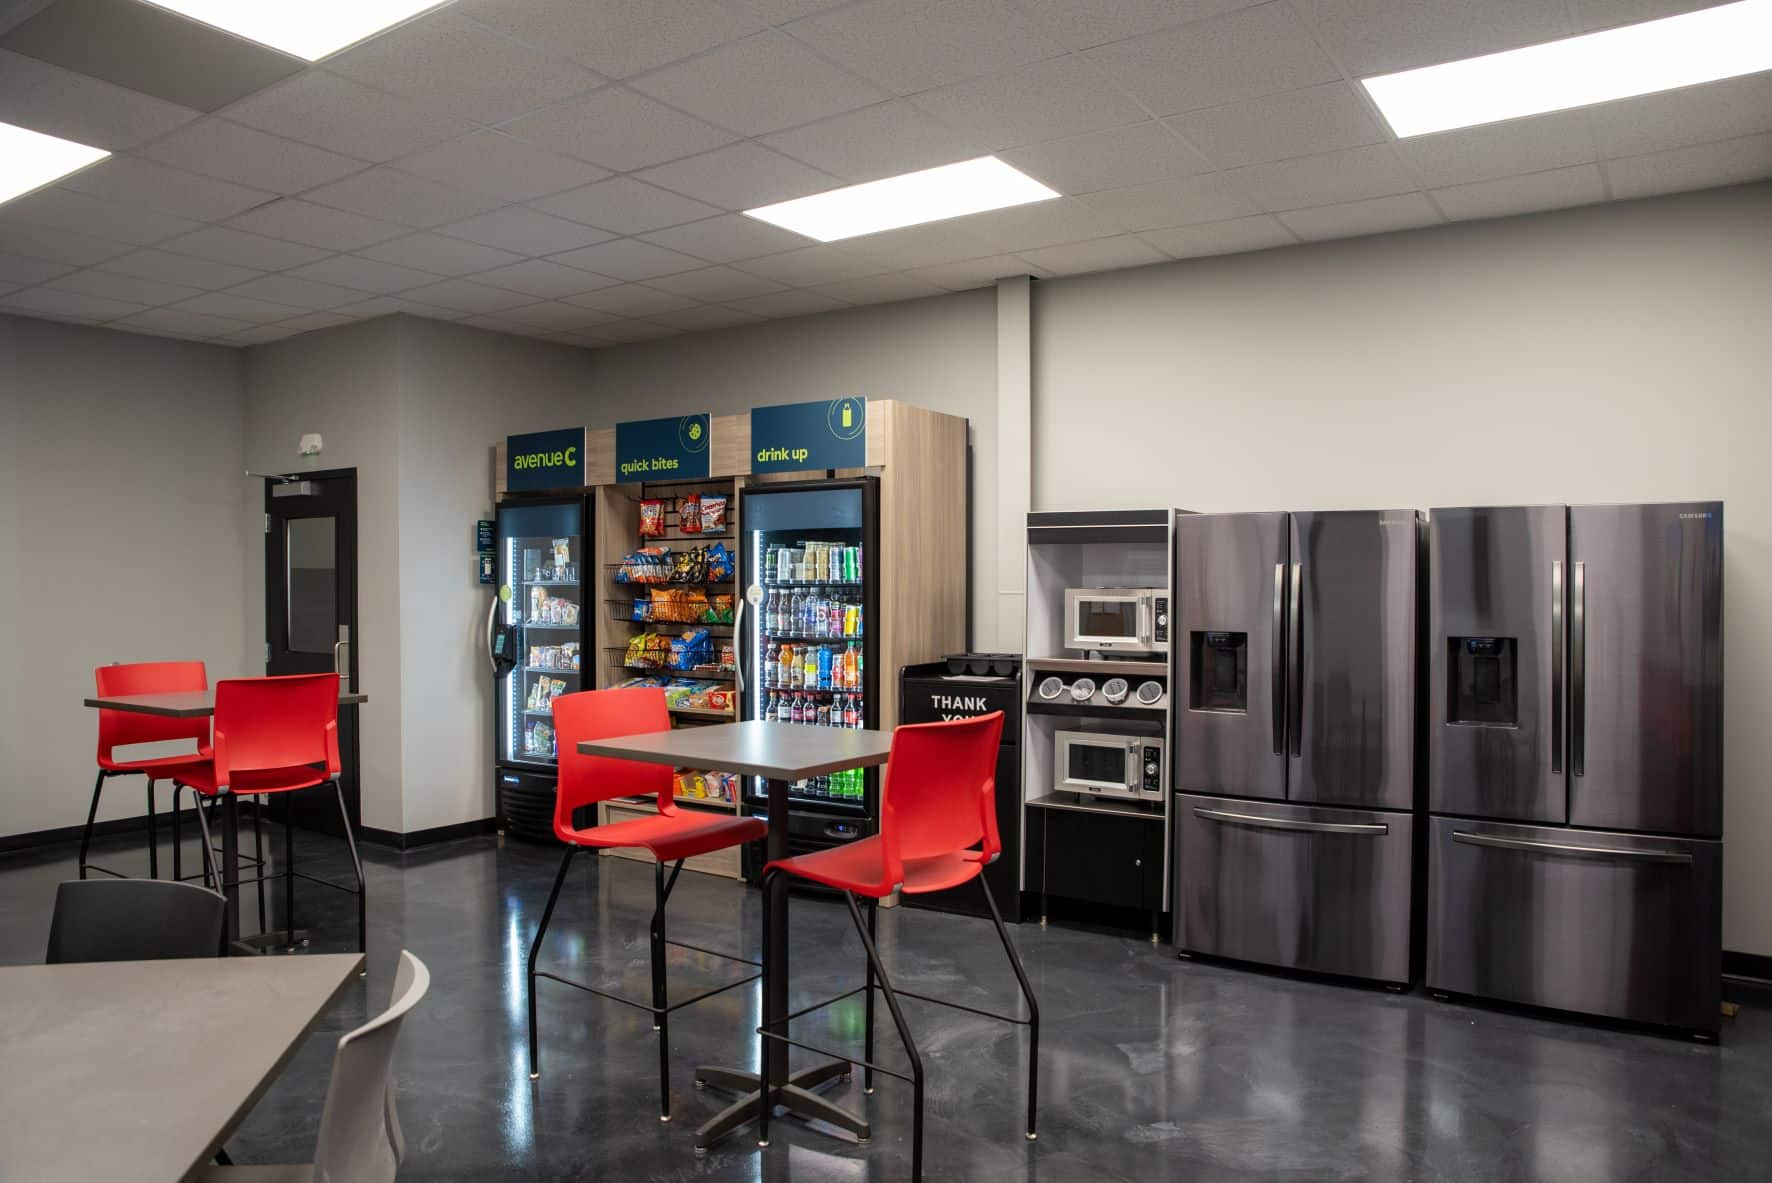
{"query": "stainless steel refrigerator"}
{"type": "Point", "coordinates": [1296, 757]}
{"type": "Point", "coordinates": [1575, 763]}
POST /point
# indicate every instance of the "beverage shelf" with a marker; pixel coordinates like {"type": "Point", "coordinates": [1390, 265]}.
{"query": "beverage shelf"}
{"type": "Point", "coordinates": [798, 583]}
{"type": "Point", "coordinates": [567, 628]}
{"type": "Point", "coordinates": [809, 690]}
{"type": "Point", "coordinates": [705, 673]}
{"type": "Point", "coordinates": [700, 713]}
{"type": "Point", "coordinates": [547, 669]}
{"type": "Point", "coordinates": [796, 638]}
{"type": "Point", "coordinates": [548, 583]}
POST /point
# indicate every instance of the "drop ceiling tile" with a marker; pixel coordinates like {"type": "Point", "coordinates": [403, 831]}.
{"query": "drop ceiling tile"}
{"type": "Point", "coordinates": [184, 270]}
{"type": "Point", "coordinates": [240, 249]}
{"type": "Point", "coordinates": [635, 330]}
{"type": "Point", "coordinates": [726, 239]}
{"type": "Point", "coordinates": [59, 305]}
{"type": "Point", "coordinates": [388, 305]}
{"type": "Point", "coordinates": [715, 283]}
{"type": "Point", "coordinates": [1729, 162]}
{"type": "Point", "coordinates": [618, 129]}
{"type": "Point", "coordinates": [215, 147]}
{"type": "Point", "coordinates": [182, 322]}
{"type": "Point", "coordinates": [397, 196]}
{"type": "Point", "coordinates": [1111, 159]}
{"type": "Point", "coordinates": [257, 335]}
{"type": "Point", "coordinates": [882, 140]}
{"type": "Point", "coordinates": [1046, 101]}
{"type": "Point", "coordinates": [1327, 179]}
{"type": "Point", "coordinates": [824, 263]}
{"type": "Point", "coordinates": [239, 307]}
{"type": "Point", "coordinates": [1101, 254]}
{"type": "Point", "coordinates": [1691, 115]}
{"type": "Point", "coordinates": [1605, 14]}
{"type": "Point", "coordinates": [1180, 202]}
{"type": "Point", "coordinates": [156, 186]}
{"type": "Point", "coordinates": [1298, 123]}
{"type": "Point", "coordinates": [706, 316]}
{"type": "Point", "coordinates": [1097, 22]}
{"type": "Point", "coordinates": [1499, 149]}
{"type": "Point", "coordinates": [439, 254]}
{"type": "Point", "coordinates": [294, 220]}
{"type": "Point", "coordinates": [953, 40]}
{"type": "Point", "coordinates": [121, 221]}
{"type": "Point", "coordinates": [308, 322]}
{"type": "Point", "coordinates": [976, 273]}
{"type": "Point", "coordinates": [525, 231]}
{"type": "Point", "coordinates": [1257, 233]}
{"type": "Point", "coordinates": [1224, 59]}
{"type": "Point", "coordinates": [1377, 36]}
{"type": "Point", "coordinates": [780, 12]}
{"type": "Point", "coordinates": [923, 246]}
{"type": "Point", "coordinates": [363, 275]}
{"type": "Point", "coordinates": [544, 279]}
{"type": "Point", "coordinates": [297, 292]}
{"type": "Point", "coordinates": [793, 303]}
{"type": "Point", "coordinates": [344, 116]}
{"type": "Point", "coordinates": [446, 61]}
{"type": "Point", "coordinates": [880, 289]}
{"type": "Point", "coordinates": [493, 163]}
{"type": "Point", "coordinates": [625, 206]}
{"type": "Point", "coordinates": [617, 38]}
{"type": "Point", "coordinates": [629, 258]}
{"type": "Point", "coordinates": [76, 107]}
{"type": "Point", "coordinates": [760, 84]}
{"type": "Point", "coordinates": [1555, 189]}
{"type": "Point", "coordinates": [1376, 215]}
{"type": "Point", "coordinates": [553, 314]}
{"type": "Point", "coordinates": [464, 295]}
{"type": "Point", "coordinates": [631, 299]}
{"type": "Point", "coordinates": [1040, 223]}
{"type": "Point", "coordinates": [111, 286]}
{"type": "Point", "coordinates": [55, 246]}
{"type": "Point", "coordinates": [740, 176]}
{"type": "Point", "coordinates": [20, 271]}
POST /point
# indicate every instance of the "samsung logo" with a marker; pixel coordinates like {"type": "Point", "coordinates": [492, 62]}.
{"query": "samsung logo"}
{"type": "Point", "coordinates": [1686, 517]}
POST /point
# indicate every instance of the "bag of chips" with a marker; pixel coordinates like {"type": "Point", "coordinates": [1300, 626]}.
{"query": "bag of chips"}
{"type": "Point", "coordinates": [689, 514]}
{"type": "Point", "coordinates": [652, 518]}
{"type": "Point", "coordinates": [713, 513]}
{"type": "Point", "coordinates": [718, 563]}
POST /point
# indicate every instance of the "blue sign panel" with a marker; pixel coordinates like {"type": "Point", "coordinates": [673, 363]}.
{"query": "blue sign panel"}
{"type": "Point", "coordinates": [662, 449]}
{"type": "Point", "coordinates": [796, 437]}
{"type": "Point", "coordinates": [545, 460]}
{"type": "Point", "coordinates": [483, 536]}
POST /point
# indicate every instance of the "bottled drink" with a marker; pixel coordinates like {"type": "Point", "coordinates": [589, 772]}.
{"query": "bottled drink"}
{"type": "Point", "coordinates": [769, 560]}
{"type": "Point", "coordinates": [798, 711]}
{"type": "Point", "coordinates": [809, 668]}
{"type": "Point", "coordinates": [824, 667]}
{"type": "Point", "coordinates": [794, 604]}
{"type": "Point", "coordinates": [824, 714]}
{"type": "Point", "coordinates": [772, 709]}
{"type": "Point", "coordinates": [852, 711]}
{"type": "Point", "coordinates": [771, 659]}
{"type": "Point", "coordinates": [833, 617]}
{"type": "Point", "coordinates": [852, 666]}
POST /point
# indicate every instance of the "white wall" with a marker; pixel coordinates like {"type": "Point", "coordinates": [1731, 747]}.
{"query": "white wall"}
{"type": "Point", "coordinates": [1617, 353]}
{"type": "Point", "coordinates": [120, 463]}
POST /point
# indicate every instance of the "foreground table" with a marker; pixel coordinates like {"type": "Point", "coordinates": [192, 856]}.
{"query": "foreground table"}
{"type": "Point", "coordinates": [779, 753]}
{"type": "Point", "coordinates": [142, 1069]}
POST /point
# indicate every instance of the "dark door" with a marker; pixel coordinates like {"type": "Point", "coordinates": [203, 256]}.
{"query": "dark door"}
{"type": "Point", "coordinates": [311, 610]}
{"type": "Point", "coordinates": [1230, 602]}
{"type": "Point", "coordinates": [1646, 667]}
{"type": "Point", "coordinates": [1497, 586]}
{"type": "Point", "coordinates": [1351, 674]}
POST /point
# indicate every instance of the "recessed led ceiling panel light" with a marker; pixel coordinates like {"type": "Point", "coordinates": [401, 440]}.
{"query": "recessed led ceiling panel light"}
{"type": "Point", "coordinates": [969, 187]}
{"type": "Point", "coordinates": [309, 29]}
{"type": "Point", "coordinates": [30, 160]}
{"type": "Point", "coordinates": [1703, 46]}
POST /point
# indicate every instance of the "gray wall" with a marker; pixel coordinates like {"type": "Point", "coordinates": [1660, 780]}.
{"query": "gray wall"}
{"type": "Point", "coordinates": [120, 481]}
{"type": "Point", "coordinates": [1618, 353]}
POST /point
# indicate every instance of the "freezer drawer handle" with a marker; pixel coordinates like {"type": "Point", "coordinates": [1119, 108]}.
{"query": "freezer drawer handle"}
{"type": "Point", "coordinates": [1527, 844]}
{"type": "Point", "coordinates": [1277, 661]}
{"type": "Point", "coordinates": [1286, 823]}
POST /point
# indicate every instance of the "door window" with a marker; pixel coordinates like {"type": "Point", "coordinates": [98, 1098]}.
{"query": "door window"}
{"type": "Point", "coordinates": [311, 577]}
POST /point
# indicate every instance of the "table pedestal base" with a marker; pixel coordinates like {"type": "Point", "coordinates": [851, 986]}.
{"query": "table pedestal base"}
{"type": "Point", "coordinates": [795, 1097]}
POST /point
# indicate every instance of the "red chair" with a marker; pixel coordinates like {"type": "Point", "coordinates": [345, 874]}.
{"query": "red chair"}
{"type": "Point", "coordinates": [670, 837]}
{"type": "Point", "coordinates": [121, 728]}
{"type": "Point", "coordinates": [938, 829]}
{"type": "Point", "coordinates": [276, 735]}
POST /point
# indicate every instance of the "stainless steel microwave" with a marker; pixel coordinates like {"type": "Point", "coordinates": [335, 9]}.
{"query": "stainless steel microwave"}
{"type": "Point", "coordinates": [1116, 619]}
{"type": "Point", "coordinates": [1101, 764]}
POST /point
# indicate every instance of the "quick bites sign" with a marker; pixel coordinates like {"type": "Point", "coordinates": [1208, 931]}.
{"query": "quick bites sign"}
{"type": "Point", "coordinates": [796, 437]}
{"type": "Point", "coordinates": [662, 449]}
{"type": "Point", "coordinates": [543, 460]}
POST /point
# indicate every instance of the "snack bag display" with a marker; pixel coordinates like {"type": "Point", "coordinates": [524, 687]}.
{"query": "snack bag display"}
{"type": "Point", "coordinates": [689, 514]}
{"type": "Point", "coordinates": [718, 560]}
{"type": "Point", "coordinates": [649, 564]}
{"type": "Point", "coordinates": [719, 610]}
{"type": "Point", "coordinates": [713, 513]}
{"type": "Point", "coordinates": [652, 518]}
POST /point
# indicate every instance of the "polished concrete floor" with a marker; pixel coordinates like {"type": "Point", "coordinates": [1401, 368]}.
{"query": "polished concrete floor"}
{"type": "Point", "coordinates": [1151, 1068]}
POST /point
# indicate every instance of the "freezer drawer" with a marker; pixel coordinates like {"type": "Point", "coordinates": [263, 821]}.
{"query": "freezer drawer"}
{"type": "Point", "coordinates": [1618, 925]}
{"type": "Point", "coordinates": [1303, 887]}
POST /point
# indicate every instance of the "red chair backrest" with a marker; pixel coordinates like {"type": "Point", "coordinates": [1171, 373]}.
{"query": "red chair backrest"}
{"type": "Point", "coordinates": [281, 722]}
{"type": "Point", "coordinates": [119, 728]}
{"type": "Point", "coordinates": [605, 714]}
{"type": "Point", "coordinates": [939, 793]}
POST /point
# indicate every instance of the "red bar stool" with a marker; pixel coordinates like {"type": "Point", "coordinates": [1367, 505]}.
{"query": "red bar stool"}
{"type": "Point", "coordinates": [121, 728]}
{"type": "Point", "coordinates": [937, 804]}
{"type": "Point", "coordinates": [670, 837]}
{"type": "Point", "coordinates": [275, 735]}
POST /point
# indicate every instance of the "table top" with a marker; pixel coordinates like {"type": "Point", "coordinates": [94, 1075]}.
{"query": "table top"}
{"type": "Point", "coordinates": [185, 704]}
{"type": "Point", "coordinates": [776, 751]}
{"type": "Point", "coordinates": [140, 1069]}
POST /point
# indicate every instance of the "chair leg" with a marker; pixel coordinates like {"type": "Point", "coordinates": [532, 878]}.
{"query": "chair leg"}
{"type": "Point", "coordinates": [209, 875]}
{"type": "Point", "coordinates": [661, 1020]}
{"type": "Point", "coordinates": [153, 835]}
{"type": "Point", "coordinates": [1027, 992]}
{"type": "Point", "coordinates": [867, 1072]}
{"type": "Point", "coordinates": [288, 871]}
{"type": "Point", "coordinates": [765, 1085]}
{"type": "Point", "coordinates": [344, 817]}
{"type": "Point", "coordinates": [91, 816]}
{"type": "Point", "coordinates": [541, 931]}
{"type": "Point", "coordinates": [904, 1034]}
{"type": "Point", "coordinates": [178, 857]}
{"type": "Point", "coordinates": [258, 852]}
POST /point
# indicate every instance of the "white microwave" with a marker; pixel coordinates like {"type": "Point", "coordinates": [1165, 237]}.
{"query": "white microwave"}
{"type": "Point", "coordinates": [1116, 619]}
{"type": "Point", "coordinates": [1100, 764]}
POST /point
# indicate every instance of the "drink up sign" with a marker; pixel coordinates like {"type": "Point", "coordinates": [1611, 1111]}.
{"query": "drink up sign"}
{"type": "Point", "coordinates": [797, 437]}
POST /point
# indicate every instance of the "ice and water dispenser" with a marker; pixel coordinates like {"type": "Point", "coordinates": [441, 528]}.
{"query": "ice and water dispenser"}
{"type": "Point", "coordinates": [1219, 664]}
{"type": "Point", "coordinates": [1482, 679]}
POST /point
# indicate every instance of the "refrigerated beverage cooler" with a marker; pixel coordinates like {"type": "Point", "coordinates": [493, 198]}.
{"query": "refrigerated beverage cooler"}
{"type": "Point", "coordinates": [538, 642]}
{"type": "Point", "coordinates": [1296, 765]}
{"type": "Point", "coordinates": [1575, 759]}
{"type": "Point", "coordinates": [808, 646]}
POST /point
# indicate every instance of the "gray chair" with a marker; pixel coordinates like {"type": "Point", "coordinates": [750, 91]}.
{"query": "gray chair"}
{"type": "Point", "coordinates": [360, 1139]}
{"type": "Point", "coordinates": [134, 920]}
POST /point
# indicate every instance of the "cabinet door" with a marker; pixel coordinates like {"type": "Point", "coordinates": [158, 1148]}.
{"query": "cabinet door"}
{"type": "Point", "coordinates": [1098, 858]}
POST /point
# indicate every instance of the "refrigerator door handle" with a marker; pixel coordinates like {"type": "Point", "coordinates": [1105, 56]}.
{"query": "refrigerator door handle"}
{"type": "Point", "coordinates": [1286, 823]}
{"type": "Point", "coordinates": [1578, 672]}
{"type": "Point", "coordinates": [1295, 662]}
{"type": "Point", "coordinates": [737, 651]}
{"type": "Point", "coordinates": [1557, 643]}
{"type": "Point", "coordinates": [1530, 846]}
{"type": "Point", "coordinates": [491, 616]}
{"type": "Point", "coordinates": [1277, 662]}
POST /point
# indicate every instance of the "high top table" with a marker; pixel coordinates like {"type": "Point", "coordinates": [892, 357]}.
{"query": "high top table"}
{"type": "Point", "coordinates": [200, 704]}
{"type": "Point", "coordinates": [779, 753]}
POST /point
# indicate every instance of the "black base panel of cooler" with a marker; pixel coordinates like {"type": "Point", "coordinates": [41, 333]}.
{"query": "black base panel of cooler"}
{"type": "Point", "coordinates": [528, 809]}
